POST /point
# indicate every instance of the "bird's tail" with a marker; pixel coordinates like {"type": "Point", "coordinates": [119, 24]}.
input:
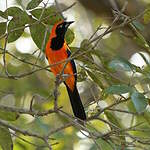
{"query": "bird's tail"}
{"type": "Point", "coordinates": [76, 103]}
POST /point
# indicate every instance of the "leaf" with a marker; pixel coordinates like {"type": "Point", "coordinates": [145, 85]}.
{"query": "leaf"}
{"type": "Point", "coordinates": [49, 16]}
{"type": "Point", "coordinates": [118, 89]}
{"type": "Point", "coordinates": [69, 37]}
{"type": "Point", "coordinates": [13, 11]}
{"type": "Point", "coordinates": [138, 25]}
{"type": "Point", "coordinates": [3, 14]}
{"type": "Point", "coordinates": [95, 78]}
{"type": "Point", "coordinates": [2, 28]}
{"type": "Point", "coordinates": [18, 14]}
{"type": "Point", "coordinates": [113, 119]}
{"type": "Point", "coordinates": [33, 3]}
{"type": "Point", "coordinates": [39, 37]}
{"type": "Point", "coordinates": [147, 16]}
{"type": "Point", "coordinates": [85, 44]}
{"type": "Point", "coordinates": [120, 63]}
{"type": "Point", "coordinates": [13, 36]}
{"type": "Point", "coordinates": [7, 115]}
{"type": "Point", "coordinates": [5, 139]}
{"type": "Point", "coordinates": [139, 37]}
{"type": "Point", "coordinates": [139, 101]}
{"type": "Point", "coordinates": [17, 23]}
{"type": "Point", "coordinates": [38, 126]}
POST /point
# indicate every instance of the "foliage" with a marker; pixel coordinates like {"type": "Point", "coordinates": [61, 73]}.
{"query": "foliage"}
{"type": "Point", "coordinates": [116, 91]}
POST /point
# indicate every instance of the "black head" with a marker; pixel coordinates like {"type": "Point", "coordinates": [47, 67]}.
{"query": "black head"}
{"type": "Point", "coordinates": [62, 28]}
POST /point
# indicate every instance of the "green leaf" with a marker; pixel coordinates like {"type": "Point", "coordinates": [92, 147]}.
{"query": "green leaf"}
{"type": "Point", "coordinates": [113, 119]}
{"type": "Point", "coordinates": [120, 63]}
{"type": "Point", "coordinates": [18, 14]}
{"type": "Point", "coordinates": [147, 16]}
{"type": "Point", "coordinates": [85, 44]}
{"type": "Point", "coordinates": [138, 25]}
{"type": "Point", "coordinates": [69, 37]}
{"type": "Point", "coordinates": [13, 11]}
{"type": "Point", "coordinates": [33, 3]}
{"type": "Point", "coordinates": [118, 89]}
{"type": "Point", "coordinates": [39, 38]}
{"type": "Point", "coordinates": [17, 23]}
{"type": "Point", "coordinates": [103, 144]}
{"type": "Point", "coordinates": [5, 139]}
{"type": "Point", "coordinates": [139, 101]}
{"type": "Point", "coordinates": [139, 37]}
{"type": "Point", "coordinates": [7, 115]}
{"type": "Point", "coordinates": [13, 36]}
{"type": "Point", "coordinates": [3, 14]}
{"type": "Point", "coordinates": [2, 28]}
{"type": "Point", "coordinates": [49, 16]}
{"type": "Point", "coordinates": [95, 78]}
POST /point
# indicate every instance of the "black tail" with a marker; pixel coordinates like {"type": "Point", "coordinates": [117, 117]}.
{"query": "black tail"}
{"type": "Point", "coordinates": [76, 103]}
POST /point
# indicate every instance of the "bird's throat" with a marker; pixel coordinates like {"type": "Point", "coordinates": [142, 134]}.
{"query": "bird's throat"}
{"type": "Point", "coordinates": [57, 43]}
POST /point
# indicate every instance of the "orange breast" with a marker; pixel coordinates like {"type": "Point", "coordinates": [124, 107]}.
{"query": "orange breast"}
{"type": "Point", "coordinates": [58, 56]}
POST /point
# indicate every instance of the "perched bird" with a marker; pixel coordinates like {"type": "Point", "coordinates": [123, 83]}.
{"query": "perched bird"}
{"type": "Point", "coordinates": [58, 51]}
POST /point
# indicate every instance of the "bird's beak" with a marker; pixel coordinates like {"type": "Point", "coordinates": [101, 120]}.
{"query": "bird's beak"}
{"type": "Point", "coordinates": [67, 24]}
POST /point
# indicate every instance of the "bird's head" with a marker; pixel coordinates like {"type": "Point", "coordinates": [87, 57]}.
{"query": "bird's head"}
{"type": "Point", "coordinates": [61, 27]}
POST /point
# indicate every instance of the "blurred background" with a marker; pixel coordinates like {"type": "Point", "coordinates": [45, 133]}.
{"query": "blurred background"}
{"type": "Point", "coordinates": [88, 16]}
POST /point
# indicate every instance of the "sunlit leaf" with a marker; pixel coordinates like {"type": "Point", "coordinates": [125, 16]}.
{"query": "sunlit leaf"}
{"type": "Point", "coordinates": [5, 139]}
{"type": "Point", "coordinates": [139, 101]}
{"type": "Point", "coordinates": [33, 3]}
{"type": "Point", "coordinates": [7, 115]}
{"type": "Point", "coordinates": [2, 28]}
{"type": "Point", "coordinates": [147, 16]}
{"type": "Point", "coordinates": [118, 89]}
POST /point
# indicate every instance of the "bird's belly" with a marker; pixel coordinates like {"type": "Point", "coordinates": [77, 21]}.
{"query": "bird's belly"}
{"type": "Point", "coordinates": [58, 67]}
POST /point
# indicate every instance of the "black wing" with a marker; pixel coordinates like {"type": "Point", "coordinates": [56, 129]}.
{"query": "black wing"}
{"type": "Point", "coordinates": [73, 65]}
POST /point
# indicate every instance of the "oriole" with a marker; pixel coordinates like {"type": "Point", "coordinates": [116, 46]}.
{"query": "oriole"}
{"type": "Point", "coordinates": [56, 51]}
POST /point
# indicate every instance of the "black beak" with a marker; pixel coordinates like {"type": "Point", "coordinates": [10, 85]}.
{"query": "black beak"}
{"type": "Point", "coordinates": [67, 24]}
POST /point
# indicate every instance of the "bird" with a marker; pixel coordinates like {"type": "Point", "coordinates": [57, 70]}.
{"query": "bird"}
{"type": "Point", "coordinates": [57, 51]}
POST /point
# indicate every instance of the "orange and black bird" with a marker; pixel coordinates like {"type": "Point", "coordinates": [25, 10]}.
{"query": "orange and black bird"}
{"type": "Point", "coordinates": [56, 51]}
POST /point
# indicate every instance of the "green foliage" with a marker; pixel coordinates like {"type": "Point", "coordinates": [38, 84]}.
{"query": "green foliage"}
{"type": "Point", "coordinates": [9, 116]}
{"type": "Point", "coordinates": [118, 89]}
{"type": "Point", "coordinates": [33, 4]}
{"type": "Point", "coordinates": [115, 119]}
{"type": "Point", "coordinates": [2, 28]}
{"type": "Point", "coordinates": [40, 38]}
{"type": "Point", "coordinates": [139, 101]}
{"type": "Point", "coordinates": [3, 14]}
{"type": "Point", "coordinates": [17, 23]}
{"type": "Point", "coordinates": [120, 63]}
{"type": "Point", "coordinates": [48, 15]}
{"type": "Point", "coordinates": [14, 35]}
{"type": "Point", "coordinates": [5, 139]}
{"type": "Point", "coordinates": [147, 15]}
